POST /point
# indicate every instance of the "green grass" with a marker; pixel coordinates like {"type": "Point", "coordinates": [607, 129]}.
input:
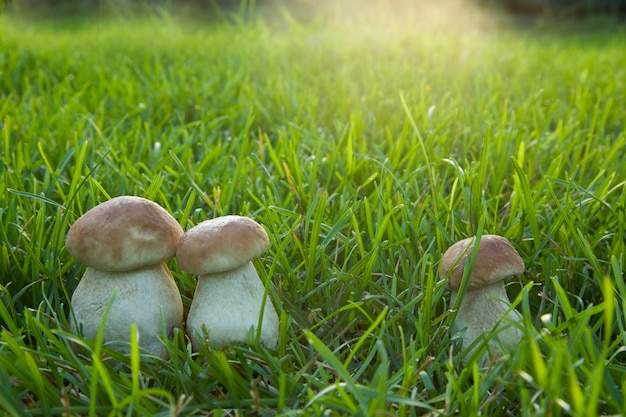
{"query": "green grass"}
{"type": "Point", "coordinates": [365, 147]}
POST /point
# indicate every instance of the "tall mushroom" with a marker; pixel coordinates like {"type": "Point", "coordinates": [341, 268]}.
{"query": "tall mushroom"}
{"type": "Point", "coordinates": [485, 302]}
{"type": "Point", "coordinates": [124, 243]}
{"type": "Point", "coordinates": [229, 295]}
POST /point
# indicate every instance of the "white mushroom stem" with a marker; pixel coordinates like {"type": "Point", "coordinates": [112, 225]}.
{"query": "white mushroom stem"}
{"type": "Point", "coordinates": [146, 296]}
{"type": "Point", "coordinates": [227, 305]}
{"type": "Point", "coordinates": [481, 310]}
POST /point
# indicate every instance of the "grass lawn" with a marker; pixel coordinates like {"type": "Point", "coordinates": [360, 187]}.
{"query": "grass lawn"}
{"type": "Point", "coordinates": [365, 147]}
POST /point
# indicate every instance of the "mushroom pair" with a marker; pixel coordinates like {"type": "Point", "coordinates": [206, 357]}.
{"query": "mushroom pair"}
{"type": "Point", "coordinates": [485, 304]}
{"type": "Point", "coordinates": [124, 242]}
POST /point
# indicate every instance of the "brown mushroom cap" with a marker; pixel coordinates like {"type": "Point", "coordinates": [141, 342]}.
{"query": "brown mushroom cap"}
{"type": "Point", "coordinates": [123, 234]}
{"type": "Point", "coordinates": [221, 244]}
{"type": "Point", "coordinates": [497, 259]}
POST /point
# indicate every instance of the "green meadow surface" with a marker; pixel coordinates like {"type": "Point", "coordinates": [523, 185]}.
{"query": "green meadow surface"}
{"type": "Point", "coordinates": [365, 147]}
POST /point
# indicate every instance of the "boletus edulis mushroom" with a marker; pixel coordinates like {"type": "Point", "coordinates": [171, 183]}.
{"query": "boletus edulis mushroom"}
{"type": "Point", "coordinates": [229, 298]}
{"type": "Point", "coordinates": [485, 303]}
{"type": "Point", "coordinates": [124, 242]}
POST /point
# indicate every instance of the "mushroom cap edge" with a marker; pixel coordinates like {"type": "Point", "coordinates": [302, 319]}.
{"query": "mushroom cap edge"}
{"type": "Point", "coordinates": [123, 234]}
{"type": "Point", "coordinates": [497, 259]}
{"type": "Point", "coordinates": [221, 244]}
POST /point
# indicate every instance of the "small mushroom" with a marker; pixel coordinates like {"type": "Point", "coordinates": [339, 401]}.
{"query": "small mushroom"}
{"type": "Point", "coordinates": [229, 295]}
{"type": "Point", "coordinates": [485, 302]}
{"type": "Point", "coordinates": [124, 243]}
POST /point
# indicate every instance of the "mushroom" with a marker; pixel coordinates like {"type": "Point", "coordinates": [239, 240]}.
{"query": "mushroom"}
{"type": "Point", "coordinates": [229, 296]}
{"type": "Point", "coordinates": [124, 243]}
{"type": "Point", "coordinates": [485, 302]}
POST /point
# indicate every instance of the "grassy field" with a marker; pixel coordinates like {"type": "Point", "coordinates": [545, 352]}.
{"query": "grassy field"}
{"type": "Point", "coordinates": [365, 147]}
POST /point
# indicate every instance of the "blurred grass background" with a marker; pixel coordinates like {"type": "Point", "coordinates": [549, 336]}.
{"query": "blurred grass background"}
{"type": "Point", "coordinates": [301, 8]}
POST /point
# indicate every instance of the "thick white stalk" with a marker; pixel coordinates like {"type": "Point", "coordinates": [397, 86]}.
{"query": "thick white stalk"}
{"type": "Point", "coordinates": [481, 311]}
{"type": "Point", "coordinates": [146, 296]}
{"type": "Point", "coordinates": [227, 305]}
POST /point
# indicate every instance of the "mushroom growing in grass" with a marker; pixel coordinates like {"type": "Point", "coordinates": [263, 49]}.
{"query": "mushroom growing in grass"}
{"type": "Point", "coordinates": [485, 303]}
{"type": "Point", "coordinates": [229, 297]}
{"type": "Point", "coordinates": [124, 243]}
